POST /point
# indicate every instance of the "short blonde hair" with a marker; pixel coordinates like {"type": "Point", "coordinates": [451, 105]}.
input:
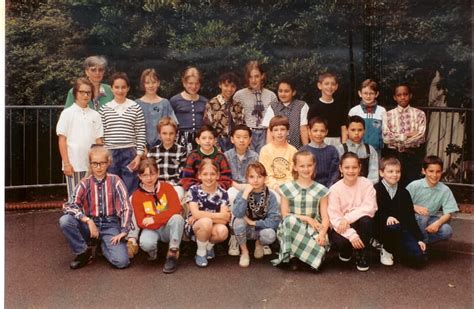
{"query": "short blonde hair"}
{"type": "Point", "coordinates": [166, 121]}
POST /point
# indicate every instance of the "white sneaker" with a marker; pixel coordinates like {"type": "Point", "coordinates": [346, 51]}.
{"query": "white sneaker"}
{"type": "Point", "coordinates": [267, 250]}
{"type": "Point", "coordinates": [244, 260]}
{"type": "Point", "coordinates": [233, 246]}
{"type": "Point", "coordinates": [386, 258]}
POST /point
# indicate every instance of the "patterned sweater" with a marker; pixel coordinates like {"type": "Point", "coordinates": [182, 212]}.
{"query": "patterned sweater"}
{"type": "Point", "coordinates": [189, 174]}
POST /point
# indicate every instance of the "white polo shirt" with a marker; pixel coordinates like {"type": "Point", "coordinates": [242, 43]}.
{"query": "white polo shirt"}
{"type": "Point", "coordinates": [81, 127]}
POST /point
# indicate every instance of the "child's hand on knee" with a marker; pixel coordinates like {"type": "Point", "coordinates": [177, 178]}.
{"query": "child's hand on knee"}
{"type": "Point", "coordinates": [392, 221]}
{"type": "Point", "coordinates": [432, 228]}
{"type": "Point", "coordinates": [422, 245]}
{"type": "Point", "coordinates": [421, 210]}
{"type": "Point", "coordinates": [357, 243]}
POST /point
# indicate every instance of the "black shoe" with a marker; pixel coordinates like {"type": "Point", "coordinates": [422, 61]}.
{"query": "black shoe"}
{"type": "Point", "coordinates": [345, 258]}
{"type": "Point", "coordinates": [171, 262]}
{"type": "Point", "coordinates": [294, 264]}
{"type": "Point", "coordinates": [361, 262]}
{"type": "Point", "coordinates": [81, 260]}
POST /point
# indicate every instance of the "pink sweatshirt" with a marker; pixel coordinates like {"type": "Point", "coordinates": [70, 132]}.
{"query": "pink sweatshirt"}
{"type": "Point", "coordinates": [351, 203]}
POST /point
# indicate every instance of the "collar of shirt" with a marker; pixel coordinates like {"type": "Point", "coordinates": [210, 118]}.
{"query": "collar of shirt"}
{"type": "Point", "coordinates": [390, 189]}
{"type": "Point", "coordinates": [403, 109]}
{"type": "Point", "coordinates": [314, 145]}
{"type": "Point", "coordinates": [84, 109]}
{"type": "Point", "coordinates": [352, 144]}
{"type": "Point", "coordinates": [221, 99]}
{"type": "Point", "coordinates": [368, 109]}
{"type": "Point", "coordinates": [120, 107]}
{"type": "Point", "coordinates": [99, 181]}
{"type": "Point", "coordinates": [162, 148]}
{"type": "Point", "coordinates": [326, 102]}
{"type": "Point", "coordinates": [426, 185]}
{"type": "Point", "coordinates": [204, 155]}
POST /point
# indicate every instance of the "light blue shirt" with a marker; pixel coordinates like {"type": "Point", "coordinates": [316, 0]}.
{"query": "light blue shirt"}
{"type": "Point", "coordinates": [153, 113]}
{"type": "Point", "coordinates": [360, 151]}
{"type": "Point", "coordinates": [433, 198]}
{"type": "Point", "coordinates": [239, 167]}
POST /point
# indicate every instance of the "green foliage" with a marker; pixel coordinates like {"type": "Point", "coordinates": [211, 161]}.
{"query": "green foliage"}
{"type": "Point", "coordinates": [392, 41]}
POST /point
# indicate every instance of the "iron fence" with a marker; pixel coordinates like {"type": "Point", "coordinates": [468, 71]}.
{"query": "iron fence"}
{"type": "Point", "coordinates": [33, 159]}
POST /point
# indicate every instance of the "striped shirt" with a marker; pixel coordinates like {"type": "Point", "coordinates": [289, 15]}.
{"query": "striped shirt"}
{"type": "Point", "coordinates": [398, 122]}
{"type": "Point", "coordinates": [170, 162]}
{"type": "Point", "coordinates": [101, 198]}
{"type": "Point", "coordinates": [124, 125]}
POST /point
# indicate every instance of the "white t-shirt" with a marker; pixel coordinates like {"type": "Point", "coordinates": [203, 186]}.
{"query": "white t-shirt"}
{"type": "Point", "coordinates": [270, 114]}
{"type": "Point", "coordinates": [81, 127]}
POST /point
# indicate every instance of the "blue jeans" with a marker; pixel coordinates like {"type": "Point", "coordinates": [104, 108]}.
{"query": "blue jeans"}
{"type": "Point", "coordinates": [259, 138]}
{"type": "Point", "coordinates": [78, 236]}
{"type": "Point", "coordinates": [172, 232]}
{"type": "Point", "coordinates": [120, 159]}
{"type": "Point", "coordinates": [243, 232]}
{"type": "Point", "coordinates": [399, 241]}
{"type": "Point", "coordinates": [445, 231]}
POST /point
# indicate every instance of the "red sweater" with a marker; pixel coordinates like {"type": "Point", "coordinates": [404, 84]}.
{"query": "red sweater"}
{"type": "Point", "coordinates": [161, 206]}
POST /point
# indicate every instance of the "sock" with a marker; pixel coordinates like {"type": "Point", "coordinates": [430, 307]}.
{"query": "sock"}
{"type": "Point", "coordinates": [201, 247]}
{"type": "Point", "coordinates": [209, 246]}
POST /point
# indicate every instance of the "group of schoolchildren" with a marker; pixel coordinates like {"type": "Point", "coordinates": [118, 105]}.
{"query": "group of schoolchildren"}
{"type": "Point", "coordinates": [246, 165]}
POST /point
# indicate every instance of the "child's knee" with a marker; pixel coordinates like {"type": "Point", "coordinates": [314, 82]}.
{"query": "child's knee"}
{"type": "Point", "coordinates": [148, 244]}
{"type": "Point", "coordinates": [203, 224]}
{"type": "Point", "coordinates": [267, 236]}
{"type": "Point", "coordinates": [221, 232]}
{"type": "Point", "coordinates": [445, 231]}
{"type": "Point", "coordinates": [176, 220]}
{"type": "Point", "coordinates": [120, 261]}
{"type": "Point", "coordinates": [290, 220]}
{"type": "Point", "coordinates": [67, 221]}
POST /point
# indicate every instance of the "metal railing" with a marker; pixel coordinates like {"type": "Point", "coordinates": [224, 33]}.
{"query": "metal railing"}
{"type": "Point", "coordinates": [33, 159]}
{"type": "Point", "coordinates": [449, 136]}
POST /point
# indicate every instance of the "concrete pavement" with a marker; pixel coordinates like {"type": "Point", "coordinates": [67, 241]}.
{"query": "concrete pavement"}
{"type": "Point", "coordinates": [37, 274]}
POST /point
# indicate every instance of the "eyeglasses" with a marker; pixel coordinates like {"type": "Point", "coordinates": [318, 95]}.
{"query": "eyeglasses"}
{"type": "Point", "coordinates": [96, 69]}
{"type": "Point", "coordinates": [98, 164]}
{"type": "Point", "coordinates": [82, 92]}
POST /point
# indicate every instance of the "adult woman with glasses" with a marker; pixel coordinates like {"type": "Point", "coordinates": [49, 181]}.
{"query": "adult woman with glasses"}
{"type": "Point", "coordinates": [94, 67]}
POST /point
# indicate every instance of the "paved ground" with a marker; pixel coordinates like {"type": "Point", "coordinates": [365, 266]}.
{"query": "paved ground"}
{"type": "Point", "coordinates": [37, 275]}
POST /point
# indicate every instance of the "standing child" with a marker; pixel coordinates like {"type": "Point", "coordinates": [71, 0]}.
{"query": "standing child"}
{"type": "Point", "coordinates": [78, 128]}
{"type": "Point", "coordinates": [327, 157]}
{"type": "Point", "coordinates": [352, 206]}
{"type": "Point", "coordinates": [124, 132]}
{"type": "Point", "coordinates": [429, 195]}
{"type": "Point", "coordinates": [209, 212]}
{"type": "Point", "coordinates": [154, 107]}
{"type": "Point", "coordinates": [371, 112]}
{"type": "Point", "coordinates": [170, 157]}
{"type": "Point", "coordinates": [94, 215]}
{"type": "Point", "coordinates": [367, 155]}
{"type": "Point", "coordinates": [277, 156]}
{"type": "Point", "coordinates": [157, 211]}
{"type": "Point", "coordinates": [206, 139]}
{"type": "Point", "coordinates": [255, 100]}
{"type": "Point", "coordinates": [256, 214]}
{"type": "Point", "coordinates": [189, 108]}
{"type": "Point", "coordinates": [295, 110]}
{"type": "Point", "coordinates": [404, 133]}
{"type": "Point", "coordinates": [330, 110]}
{"type": "Point", "coordinates": [303, 231]}
{"type": "Point", "coordinates": [395, 223]}
{"type": "Point", "coordinates": [222, 112]}
{"type": "Point", "coordinates": [239, 158]}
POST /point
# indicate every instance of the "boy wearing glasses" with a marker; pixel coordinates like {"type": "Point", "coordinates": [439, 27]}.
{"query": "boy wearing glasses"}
{"type": "Point", "coordinates": [372, 113]}
{"type": "Point", "coordinates": [100, 212]}
{"type": "Point", "coordinates": [78, 128]}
